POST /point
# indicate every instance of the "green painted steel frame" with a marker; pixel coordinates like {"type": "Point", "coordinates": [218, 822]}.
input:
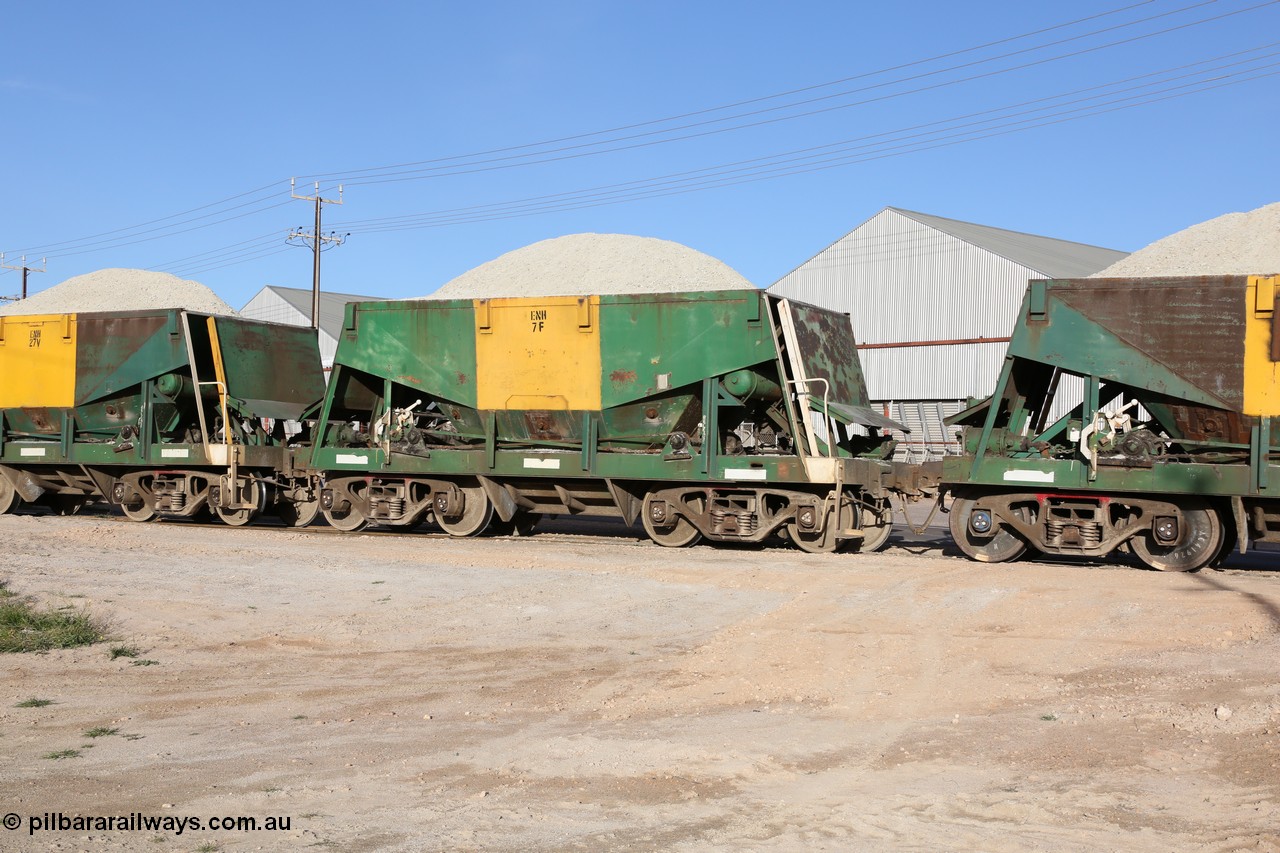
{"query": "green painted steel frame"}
{"type": "Point", "coordinates": [406, 344]}
{"type": "Point", "coordinates": [121, 351]}
{"type": "Point", "coordinates": [1051, 334]}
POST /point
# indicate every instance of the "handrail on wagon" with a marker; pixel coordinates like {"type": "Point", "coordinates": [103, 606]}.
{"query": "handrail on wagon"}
{"type": "Point", "coordinates": [828, 421]}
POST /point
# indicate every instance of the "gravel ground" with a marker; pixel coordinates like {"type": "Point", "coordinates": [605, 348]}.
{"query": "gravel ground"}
{"type": "Point", "coordinates": [121, 290]}
{"type": "Point", "coordinates": [588, 264]}
{"type": "Point", "coordinates": [1234, 244]}
{"type": "Point", "coordinates": [583, 689]}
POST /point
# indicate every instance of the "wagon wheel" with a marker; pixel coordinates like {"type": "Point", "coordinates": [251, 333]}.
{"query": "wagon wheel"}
{"type": "Point", "coordinates": [998, 548]}
{"type": "Point", "coordinates": [344, 515]}
{"type": "Point", "coordinates": [1199, 543]}
{"type": "Point", "coordinates": [241, 517]}
{"type": "Point", "coordinates": [823, 539]}
{"type": "Point", "coordinates": [477, 512]}
{"type": "Point", "coordinates": [877, 524]}
{"type": "Point", "coordinates": [296, 509]}
{"type": "Point", "coordinates": [675, 532]}
{"type": "Point", "coordinates": [1229, 542]}
{"type": "Point", "coordinates": [9, 500]}
{"type": "Point", "coordinates": [138, 511]}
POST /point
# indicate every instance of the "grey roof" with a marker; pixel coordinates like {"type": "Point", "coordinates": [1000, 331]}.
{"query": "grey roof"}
{"type": "Point", "coordinates": [1046, 255]}
{"type": "Point", "coordinates": [333, 306]}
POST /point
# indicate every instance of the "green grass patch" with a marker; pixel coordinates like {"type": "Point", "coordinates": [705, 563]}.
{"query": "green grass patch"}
{"type": "Point", "coordinates": [124, 652]}
{"type": "Point", "coordinates": [145, 663]}
{"type": "Point", "coordinates": [61, 754]}
{"type": "Point", "coordinates": [33, 702]}
{"type": "Point", "coordinates": [26, 628]}
{"type": "Point", "coordinates": [101, 731]}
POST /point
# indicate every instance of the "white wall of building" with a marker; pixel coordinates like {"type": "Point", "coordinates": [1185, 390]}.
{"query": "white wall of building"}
{"type": "Point", "coordinates": [941, 307]}
{"type": "Point", "coordinates": [270, 307]}
{"type": "Point", "coordinates": [903, 282]}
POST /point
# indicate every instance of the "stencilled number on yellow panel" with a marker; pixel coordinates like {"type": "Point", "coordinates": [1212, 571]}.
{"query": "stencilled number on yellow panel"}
{"type": "Point", "coordinates": [34, 340]}
{"type": "Point", "coordinates": [538, 317]}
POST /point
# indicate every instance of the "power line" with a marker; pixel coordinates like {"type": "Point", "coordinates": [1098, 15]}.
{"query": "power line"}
{"type": "Point", "coordinates": [83, 241]}
{"type": "Point", "coordinates": [557, 200]}
{"type": "Point", "coordinates": [25, 269]}
{"type": "Point", "coordinates": [135, 234]}
{"type": "Point", "coordinates": [261, 247]}
{"type": "Point", "coordinates": [893, 143]}
{"type": "Point", "coordinates": [576, 151]}
{"type": "Point", "coordinates": [236, 261]}
{"type": "Point", "coordinates": [746, 102]}
{"type": "Point", "coordinates": [728, 174]}
{"type": "Point", "coordinates": [168, 265]}
{"type": "Point", "coordinates": [761, 175]}
{"type": "Point", "coordinates": [91, 248]}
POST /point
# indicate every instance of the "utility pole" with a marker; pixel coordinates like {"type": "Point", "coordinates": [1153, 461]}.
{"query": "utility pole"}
{"type": "Point", "coordinates": [316, 240]}
{"type": "Point", "coordinates": [25, 269]}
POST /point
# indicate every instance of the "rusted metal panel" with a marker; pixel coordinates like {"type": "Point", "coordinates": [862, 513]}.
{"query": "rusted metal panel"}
{"type": "Point", "coordinates": [1192, 325]}
{"type": "Point", "coordinates": [1202, 423]}
{"type": "Point", "coordinates": [828, 350]}
{"type": "Point", "coordinates": [118, 352]}
{"type": "Point", "coordinates": [274, 369]}
{"type": "Point", "coordinates": [1148, 334]}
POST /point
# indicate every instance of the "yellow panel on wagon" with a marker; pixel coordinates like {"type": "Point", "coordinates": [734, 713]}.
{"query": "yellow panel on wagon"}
{"type": "Point", "coordinates": [37, 361]}
{"type": "Point", "coordinates": [538, 353]}
{"type": "Point", "coordinates": [1261, 347]}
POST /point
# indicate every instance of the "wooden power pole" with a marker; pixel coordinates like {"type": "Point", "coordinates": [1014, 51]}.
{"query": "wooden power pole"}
{"type": "Point", "coordinates": [316, 240]}
{"type": "Point", "coordinates": [25, 269]}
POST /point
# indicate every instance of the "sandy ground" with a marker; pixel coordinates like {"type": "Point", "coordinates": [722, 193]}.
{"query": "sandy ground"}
{"type": "Point", "coordinates": [587, 690]}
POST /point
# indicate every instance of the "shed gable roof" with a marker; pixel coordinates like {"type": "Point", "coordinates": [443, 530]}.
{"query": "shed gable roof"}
{"type": "Point", "coordinates": [333, 306]}
{"type": "Point", "coordinates": [1049, 256]}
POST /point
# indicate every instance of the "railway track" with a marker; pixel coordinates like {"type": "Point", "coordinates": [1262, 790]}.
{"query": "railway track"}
{"type": "Point", "coordinates": [1261, 561]}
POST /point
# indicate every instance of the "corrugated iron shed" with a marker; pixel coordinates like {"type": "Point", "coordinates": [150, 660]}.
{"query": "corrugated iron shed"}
{"type": "Point", "coordinates": [292, 305]}
{"type": "Point", "coordinates": [933, 300]}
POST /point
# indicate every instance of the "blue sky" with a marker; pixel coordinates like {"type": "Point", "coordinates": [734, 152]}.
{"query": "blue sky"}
{"type": "Point", "coordinates": [163, 135]}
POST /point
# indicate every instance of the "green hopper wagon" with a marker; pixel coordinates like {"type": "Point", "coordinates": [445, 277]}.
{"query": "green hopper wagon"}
{"type": "Point", "coordinates": [730, 415]}
{"type": "Point", "coordinates": [163, 412]}
{"type": "Point", "coordinates": [1172, 450]}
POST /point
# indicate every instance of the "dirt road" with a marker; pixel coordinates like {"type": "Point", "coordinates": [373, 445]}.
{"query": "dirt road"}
{"type": "Point", "coordinates": [590, 691]}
